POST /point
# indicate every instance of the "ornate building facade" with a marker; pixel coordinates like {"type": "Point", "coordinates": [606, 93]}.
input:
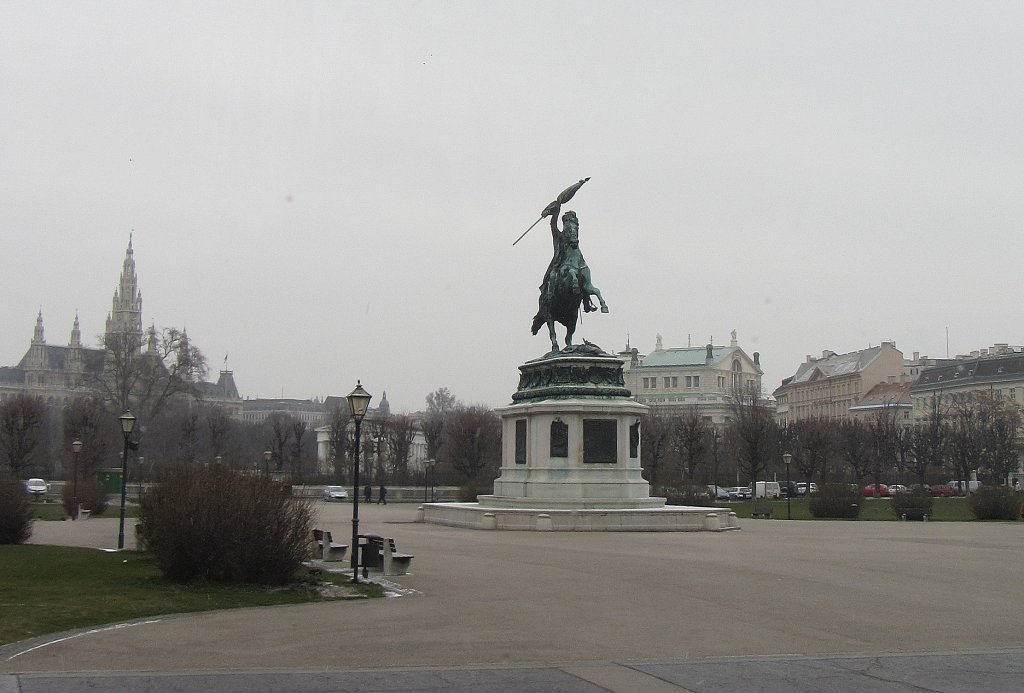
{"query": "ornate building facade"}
{"type": "Point", "coordinates": [704, 376]}
{"type": "Point", "coordinates": [58, 373]}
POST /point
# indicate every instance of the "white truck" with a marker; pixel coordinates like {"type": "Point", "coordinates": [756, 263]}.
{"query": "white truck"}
{"type": "Point", "coordinates": [767, 489]}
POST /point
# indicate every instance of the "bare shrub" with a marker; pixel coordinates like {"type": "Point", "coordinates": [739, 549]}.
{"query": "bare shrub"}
{"type": "Point", "coordinates": [835, 501]}
{"type": "Point", "coordinates": [91, 497]}
{"type": "Point", "coordinates": [215, 524]}
{"type": "Point", "coordinates": [995, 503]}
{"type": "Point", "coordinates": [15, 510]}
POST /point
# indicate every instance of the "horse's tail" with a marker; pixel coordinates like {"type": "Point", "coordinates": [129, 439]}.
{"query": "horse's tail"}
{"type": "Point", "coordinates": [538, 321]}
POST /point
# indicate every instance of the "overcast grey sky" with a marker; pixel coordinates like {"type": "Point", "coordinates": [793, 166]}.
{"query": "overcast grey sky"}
{"type": "Point", "coordinates": [329, 191]}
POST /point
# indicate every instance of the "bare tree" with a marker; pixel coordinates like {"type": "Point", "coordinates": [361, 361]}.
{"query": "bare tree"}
{"type": "Point", "coordinates": [855, 447]}
{"type": "Point", "coordinates": [145, 381]}
{"type": "Point", "coordinates": [339, 441]}
{"type": "Point", "coordinates": [472, 441]}
{"type": "Point", "coordinates": [691, 441]}
{"type": "Point", "coordinates": [1003, 450]}
{"type": "Point", "coordinates": [188, 443]}
{"type": "Point", "coordinates": [22, 426]}
{"type": "Point", "coordinates": [655, 432]}
{"type": "Point", "coordinates": [968, 434]}
{"type": "Point", "coordinates": [751, 434]}
{"type": "Point", "coordinates": [85, 420]}
{"type": "Point", "coordinates": [278, 431]}
{"type": "Point", "coordinates": [928, 441]}
{"type": "Point", "coordinates": [440, 404]}
{"type": "Point", "coordinates": [299, 447]}
{"type": "Point", "coordinates": [813, 443]}
{"type": "Point", "coordinates": [885, 436]}
{"type": "Point", "coordinates": [401, 431]}
{"type": "Point", "coordinates": [218, 426]}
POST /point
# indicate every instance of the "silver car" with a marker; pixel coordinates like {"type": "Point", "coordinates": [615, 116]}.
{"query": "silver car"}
{"type": "Point", "coordinates": [37, 487]}
{"type": "Point", "coordinates": [335, 493]}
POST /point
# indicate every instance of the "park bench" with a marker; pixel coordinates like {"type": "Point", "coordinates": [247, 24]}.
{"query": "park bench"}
{"type": "Point", "coordinates": [326, 549]}
{"type": "Point", "coordinates": [395, 563]}
{"type": "Point", "coordinates": [763, 512]}
{"type": "Point", "coordinates": [915, 514]}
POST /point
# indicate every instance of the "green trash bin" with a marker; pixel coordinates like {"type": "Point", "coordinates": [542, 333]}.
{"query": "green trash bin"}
{"type": "Point", "coordinates": [110, 480]}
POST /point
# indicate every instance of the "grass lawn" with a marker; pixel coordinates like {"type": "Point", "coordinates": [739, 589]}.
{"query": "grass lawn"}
{"type": "Point", "coordinates": [872, 509]}
{"type": "Point", "coordinates": [47, 589]}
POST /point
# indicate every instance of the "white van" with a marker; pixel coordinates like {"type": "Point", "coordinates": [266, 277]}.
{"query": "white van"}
{"type": "Point", "coordinates": [958, 486]}
{"type": "Point", "coordinates": [767, 489]}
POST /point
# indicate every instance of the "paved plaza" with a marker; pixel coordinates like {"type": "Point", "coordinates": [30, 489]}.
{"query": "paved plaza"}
{"type": "Point", "coordinates": [779, 605]}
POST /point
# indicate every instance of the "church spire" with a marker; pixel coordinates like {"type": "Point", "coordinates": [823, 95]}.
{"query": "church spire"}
{"type": "Point", "coordinates": [126, 312]}
{"type": "Point", "coordinates": [76, 334]}
{"type": "Point", "coordinates": [37, 335]}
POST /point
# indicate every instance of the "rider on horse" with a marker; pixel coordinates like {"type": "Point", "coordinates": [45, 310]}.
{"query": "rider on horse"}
{"type": "Point", "coordinates": [566, 283]}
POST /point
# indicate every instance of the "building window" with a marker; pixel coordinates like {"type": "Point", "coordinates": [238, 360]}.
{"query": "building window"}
{"type": "Point", "coordinates": [696, 381]}
{"type": "Point", "coordinates": [668, 381]}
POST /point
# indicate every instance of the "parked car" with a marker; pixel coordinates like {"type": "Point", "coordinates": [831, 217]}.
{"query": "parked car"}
{"type": "Point", "coordinates": [37, 487]}
{"type": "Point", "coordinates": [335, 493]}
{"type": "Point", "coordinates": [943, 491]}
{"type": "Point", "coordinates": [788, 488]}
{"type": "Point", "coordinates": [738, 492]}
{"type": "Point", "coordinates": [767, 489]}
{"type": "Point", "coordinates": [870, 489]}
{"type": "Point", "coordinates": [958, 486]}
{"type": "Point", "coordinates": [897, 488]}
{"type": "Point", "coordinates": [718, 492]}
{"type": "Point", "coordinates": [801, 488]}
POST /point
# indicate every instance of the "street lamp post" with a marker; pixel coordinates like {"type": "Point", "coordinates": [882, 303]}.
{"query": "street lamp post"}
{"type": "Point", "coordinates": [787, 458]}
{"type": "Point", "coordinates": [142, 461]}
{"type": "Point", "coordinates": [127, 426]}
{"type": "Point", "coordinates": [76, 446]}
{"type": "Point", "coordinates": [267, 454]}
{"type": "Point", "coordinates": [358, 403]}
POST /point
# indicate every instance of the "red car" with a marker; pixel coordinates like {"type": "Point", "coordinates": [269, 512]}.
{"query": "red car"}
{"type": "Point", "coordinates": [869, 491]}
{"type": "Point", "coordinates": [943, 491]}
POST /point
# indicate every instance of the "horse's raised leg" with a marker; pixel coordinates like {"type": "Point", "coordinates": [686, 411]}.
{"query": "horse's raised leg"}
{"type": "Point", "coordinates": [591, 289]}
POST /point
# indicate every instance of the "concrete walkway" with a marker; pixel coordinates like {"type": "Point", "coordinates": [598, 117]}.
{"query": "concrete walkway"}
{"type": "Point", "coordinates": [766, 608]}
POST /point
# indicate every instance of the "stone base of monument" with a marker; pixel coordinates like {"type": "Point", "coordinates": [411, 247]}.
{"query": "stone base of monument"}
{"type": "Point", "coordinates": [571, 458]}
{"type": "Point", "coordinates": [667, 518]}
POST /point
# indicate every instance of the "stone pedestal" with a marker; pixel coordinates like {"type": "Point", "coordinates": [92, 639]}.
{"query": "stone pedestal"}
{"type": "Point", "coordinates": [570, 458]}
{"type": "Point", "coordinates": [570, 454]}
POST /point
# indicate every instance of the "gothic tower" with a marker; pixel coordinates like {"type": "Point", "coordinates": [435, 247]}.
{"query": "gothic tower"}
{"type": "Point", "coordinates": [125, 316]}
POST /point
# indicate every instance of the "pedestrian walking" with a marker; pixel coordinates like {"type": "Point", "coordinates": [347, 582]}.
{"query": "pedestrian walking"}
{"type": "Point", "coordinates": [382, 497]}
{"type": "Point", "coordinates": [368, 493]}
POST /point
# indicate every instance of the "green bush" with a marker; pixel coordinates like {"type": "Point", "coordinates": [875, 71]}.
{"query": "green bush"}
{"type": "Point", "coordinates": [15, 511]}
{"type": "Point", "coordinates": [835, 501]}
{"type": "Point", "coordinates": [215, 524]}
{"type": "Point", "coordinates": [91, 497]}
{"type": "Point", "coordinates": [914, 504]}
{"type": "Point", "coordinates": [995, 503]}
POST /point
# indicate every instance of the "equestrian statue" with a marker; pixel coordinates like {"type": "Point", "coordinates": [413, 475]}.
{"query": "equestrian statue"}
{"type": "Point", "coordinates": [566, 287]}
